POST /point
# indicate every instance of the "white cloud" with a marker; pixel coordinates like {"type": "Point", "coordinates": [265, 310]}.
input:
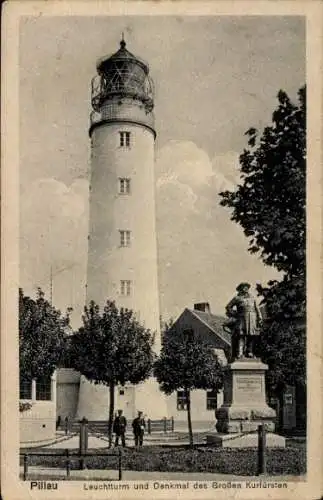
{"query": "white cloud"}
{"type": "Point", "coordinates": [53, 234]}
{"type": "Point", "coordinates": [183, 161]}
{"type": "Point", "coordinates": [226, 173]}
{"type": "Point", "coordinates": [202, 254]}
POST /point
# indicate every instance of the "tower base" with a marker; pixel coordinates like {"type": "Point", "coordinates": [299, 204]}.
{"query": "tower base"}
{"type": "Point", "coordinates": [94, 400]}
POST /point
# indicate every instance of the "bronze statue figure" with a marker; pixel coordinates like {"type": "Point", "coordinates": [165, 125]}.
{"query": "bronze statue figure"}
{"type": "Point", "coordinates": [243, 323]}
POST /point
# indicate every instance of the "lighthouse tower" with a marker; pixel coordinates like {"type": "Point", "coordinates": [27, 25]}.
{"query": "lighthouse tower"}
{"type": "Point", "coordinates": [122, 254]}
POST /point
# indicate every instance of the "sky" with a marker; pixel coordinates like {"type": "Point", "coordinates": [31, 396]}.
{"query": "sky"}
{"type": "Point", "coordinates": [215, 77]}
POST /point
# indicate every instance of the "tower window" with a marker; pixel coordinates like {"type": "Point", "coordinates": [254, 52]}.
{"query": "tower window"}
{"type": "Point", "coordinates": [181, 400]}
{"type": "Point", "coordinates": [43, 390]}
{"type": "Point", "coordinates": [211, 400]}
{"type": "Point", "coordinates": [25, 389]}
{"type": "Point", "coordinates": [125, 287]}
{"type": "Point", "coordinates": [125, 238]}
{"type": "Point", "coordinates": [124, 139]}
{"type": "Point", "coordinates": [124, 185]}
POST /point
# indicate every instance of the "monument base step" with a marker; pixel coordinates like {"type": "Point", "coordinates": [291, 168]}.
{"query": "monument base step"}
{"type": "Point", "coordinates": [244, 440]}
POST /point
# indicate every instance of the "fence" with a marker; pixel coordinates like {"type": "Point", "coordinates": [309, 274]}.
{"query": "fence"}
{"type": "Point", "coordinates": [101, 426]}
{"type": "Point", "coordinates": [162, 425]}
{"type": "Point", "coordinates": [68, 457]}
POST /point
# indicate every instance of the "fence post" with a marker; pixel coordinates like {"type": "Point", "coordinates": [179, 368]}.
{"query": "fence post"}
{"type": "Point", "coordinates": [172, 422]}
{"type": "Point", "coordinates": [165, 424]}
{"type": "Point", "coordinates": [68, 462]}
{"type": "Point", "coordinates": [149, 426]}
{"type": "Point", "coordinates": [25, 467]}
{"type": "Point", "coordinates": [261, 450]}
{"type": "Point", "coordinates": [120, 464]}
{"type": "Point", "coordinates": [66, 426]}
{"type": "Point", "coordinates": [83, 441]}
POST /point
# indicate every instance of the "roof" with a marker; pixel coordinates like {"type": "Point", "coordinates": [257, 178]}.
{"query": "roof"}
{"type": "Point", "coordinates": [121, 55]}
{"type": "Point", "coordinates": [214, 323]}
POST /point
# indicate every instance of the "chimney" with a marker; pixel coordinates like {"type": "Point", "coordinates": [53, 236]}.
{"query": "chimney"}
{"type": "Point", "coordinates": [202, 306]}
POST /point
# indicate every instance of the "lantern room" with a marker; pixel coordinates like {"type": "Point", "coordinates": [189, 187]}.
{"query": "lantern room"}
{"type": "Point", "coordinates": [122, 75]}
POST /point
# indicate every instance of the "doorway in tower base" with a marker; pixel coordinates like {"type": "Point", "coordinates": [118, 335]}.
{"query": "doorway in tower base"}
{"type": "Point", "coordinates": [125, 400]}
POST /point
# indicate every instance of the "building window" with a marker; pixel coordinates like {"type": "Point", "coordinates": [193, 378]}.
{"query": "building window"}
{"type": "Point", "coordinates": [124, 238]}
{"type": "Point", "coordinates": [124, 139]}
{"type": "Point", "coordinates": [211, 400]}
{"type": "Point", "coordinates": [25, 389]}
{"type": "Point", "coordinates": [125, 287]}
{"type": "Point", "coordinates": [124, 185]}
{"type": "Point", "coordinates": [181, 400]}
{"type": "Point", "coordinates": [43, 389]}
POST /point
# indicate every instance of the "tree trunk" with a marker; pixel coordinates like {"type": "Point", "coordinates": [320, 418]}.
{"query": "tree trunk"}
{"type": "Point", "coordinates": [189, 419]}
{"type": "Point", "coordinates": [111, 412]}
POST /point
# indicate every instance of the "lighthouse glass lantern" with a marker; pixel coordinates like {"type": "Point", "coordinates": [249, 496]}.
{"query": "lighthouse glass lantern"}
{"type": "Point", "coordinates": [121, 76]}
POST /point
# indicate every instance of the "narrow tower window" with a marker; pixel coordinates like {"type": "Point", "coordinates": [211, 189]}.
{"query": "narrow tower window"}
{"type": "Point", "coordinates": [125, 287]}
{"type": "Point", "coordinates": [124, 185]}
{"type": "Point", "coordinates": [124, 139]}
{"type": "Point", "coordinates": [211, 400]}
{"type": "Point", "coordinates": [181, 401]}
{"type": "Point", "coordinates": [25, 389]}
{"type": "Point", "coordinates": [43, 389]}
{"type": "Point", "coordinates": [125, 238]}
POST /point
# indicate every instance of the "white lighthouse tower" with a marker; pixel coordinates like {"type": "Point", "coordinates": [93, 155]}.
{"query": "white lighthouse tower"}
{"type": "Point", "coordinates": [122, 255]}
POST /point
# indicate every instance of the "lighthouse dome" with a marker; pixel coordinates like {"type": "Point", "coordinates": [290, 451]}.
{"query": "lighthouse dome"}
{"type": "Point", "coordinates": [124, 75]}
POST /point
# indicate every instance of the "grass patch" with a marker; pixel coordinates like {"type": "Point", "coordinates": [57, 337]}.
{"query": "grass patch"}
{"type": "Point", "coordinates": [288, 461]}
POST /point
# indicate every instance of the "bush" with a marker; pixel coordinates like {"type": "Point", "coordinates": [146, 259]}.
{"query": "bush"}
{"type": "Point", "coordinates": [242, 462]}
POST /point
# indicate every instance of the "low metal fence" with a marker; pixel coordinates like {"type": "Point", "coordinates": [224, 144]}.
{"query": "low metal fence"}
{"type": "Point", "coordinates": [163, 425]}
{"type": "Point", "coordinates": [102, 426]}
{"type": "Point", "coordinates": [67, 457]}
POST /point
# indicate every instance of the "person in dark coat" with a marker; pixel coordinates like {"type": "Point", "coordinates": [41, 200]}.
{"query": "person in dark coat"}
{"type": "Point", "coordinates": [138, 426]}
{"type": "Point", "coordinates": [119, 428]}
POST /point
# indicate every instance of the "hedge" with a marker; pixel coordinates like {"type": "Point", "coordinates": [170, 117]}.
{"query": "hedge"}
{"type": "Point", "coordinates": [243, 462]}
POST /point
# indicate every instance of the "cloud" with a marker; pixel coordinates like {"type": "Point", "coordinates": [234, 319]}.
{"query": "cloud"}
{"type": "Point", "coordinates": [53, 235]}
{"type": "Point", "coordinates": [184, 162]}
{"type": "Point", "coordinates": [202, 253]}
{"type": "Point", "coordinates": [185, 176]}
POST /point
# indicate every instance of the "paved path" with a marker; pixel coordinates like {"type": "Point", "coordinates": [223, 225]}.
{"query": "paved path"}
{"type": "Point", "coordinates": [100, 441]}
{"type": "Point", "coordinates": [38, 472]}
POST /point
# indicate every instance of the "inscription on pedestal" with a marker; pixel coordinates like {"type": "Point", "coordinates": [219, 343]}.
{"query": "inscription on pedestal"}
{"type": "Point", "coordinates": [249, 384]}
{"type": "Point", "coordinates": [248, 387]}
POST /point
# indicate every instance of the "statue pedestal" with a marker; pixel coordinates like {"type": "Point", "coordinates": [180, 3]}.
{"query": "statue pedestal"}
{"type": "Point", "coordinates": [244, 407]}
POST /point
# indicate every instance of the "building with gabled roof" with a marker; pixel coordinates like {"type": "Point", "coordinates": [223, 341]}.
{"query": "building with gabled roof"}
{"type": "Point", "coordinates": [208, 327]}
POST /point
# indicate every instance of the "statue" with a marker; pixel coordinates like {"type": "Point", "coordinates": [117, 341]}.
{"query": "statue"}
{"type": "Point", "coordinates": [243, 323]}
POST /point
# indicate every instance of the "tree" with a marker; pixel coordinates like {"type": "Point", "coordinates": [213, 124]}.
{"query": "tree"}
{"type": "Point", "coordinates": [270, 205]}
{"type": "Point", "coordinates": [112, 348]}
{"type": "Point", "coordinates": [42, 337]}
{"type": "Point", "coordinates": [185, 363]}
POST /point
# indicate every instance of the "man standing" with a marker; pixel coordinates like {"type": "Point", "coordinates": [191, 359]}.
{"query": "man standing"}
{"type": "Point", "coordinates": [119, 428]}
{"type": "Point", "coordinates": [138, 426]}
